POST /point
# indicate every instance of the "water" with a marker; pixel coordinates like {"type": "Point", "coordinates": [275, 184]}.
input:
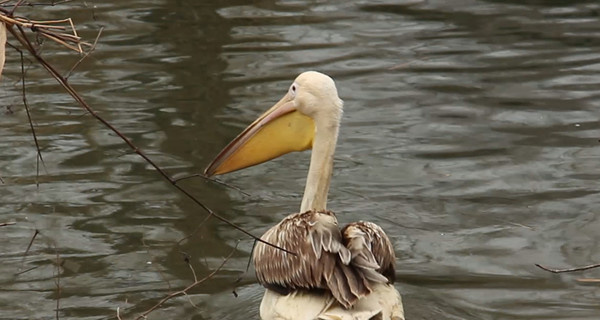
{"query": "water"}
{"type": "Point", "coordinates": [470, 135]}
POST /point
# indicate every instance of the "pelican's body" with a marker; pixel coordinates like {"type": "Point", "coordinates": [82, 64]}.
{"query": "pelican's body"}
{"type": "Point", "coordinates": [328, 273]}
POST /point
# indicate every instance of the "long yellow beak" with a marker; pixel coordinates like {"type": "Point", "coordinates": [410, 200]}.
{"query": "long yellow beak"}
{"type": "Point", "coordinates": [280, 130]}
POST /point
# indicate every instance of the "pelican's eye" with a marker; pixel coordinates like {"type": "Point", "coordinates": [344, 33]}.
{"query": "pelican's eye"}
{"type": "Point", "coordinates": [293, 90]}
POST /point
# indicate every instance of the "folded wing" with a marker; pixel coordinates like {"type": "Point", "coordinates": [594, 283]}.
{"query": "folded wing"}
{"type": "Point", "coordinates": [345, 263]}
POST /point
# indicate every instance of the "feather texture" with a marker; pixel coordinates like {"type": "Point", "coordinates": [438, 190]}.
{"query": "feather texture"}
{"type": "Point", "coordinates": [345, 263]}
{"type": "Point", "coordinates": [371, 250]}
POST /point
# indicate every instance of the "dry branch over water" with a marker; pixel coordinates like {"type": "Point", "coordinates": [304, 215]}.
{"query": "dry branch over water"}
{"type": "Point", "coordinates": [61, 31]}
{"type": "Point", "coordinates": [20, 34]}
{"type": "Point", "coordinates": [25, 36]}
{"type": "Point", "coordinates": [17, 28]}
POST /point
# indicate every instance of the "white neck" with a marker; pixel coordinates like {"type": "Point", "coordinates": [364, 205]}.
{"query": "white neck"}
{"type": "Point", "coordinates": [321, 164]}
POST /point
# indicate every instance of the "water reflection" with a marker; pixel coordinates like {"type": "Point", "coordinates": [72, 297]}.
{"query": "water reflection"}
{"type": "Point", "coordinates": [470, 135]}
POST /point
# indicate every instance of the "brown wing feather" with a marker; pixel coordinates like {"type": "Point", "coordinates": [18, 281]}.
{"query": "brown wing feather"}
{"type": "Point", "coordinates": [369, 244]}
{"type": "Point", "coordinates": [322, 260]}
{"type": "Point", "coordinates": [325, 258]}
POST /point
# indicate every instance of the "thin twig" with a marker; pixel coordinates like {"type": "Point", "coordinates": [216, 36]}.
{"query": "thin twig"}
{"type": "Point", "coordinates": [26, 23]}
{"type": "Point", "coordinates": [239, 279]}
{"type": "Point", "coordinates": [30, 4]}
{"type": "Point", "coordinates": [396, 223]}
{"type": "Point", "coordinates": [195, 230]}
{"type": "Point", "coordinates": [406, 64]}
{"type": "Point", "coordinates": [189, 263]}
{"type": "Point", "coordinates": [591, 266]}
{"type": "Point", "coordinates": [31, 242]}
{"type": "Point", "coordinates": [190, 301]}
{"type": "Point", "coordinates": [26, 270]}
{"type": "Point", "coordinates": [56, 38]}
{"type": "Point", "coordinates": [223, 183]}
{"type": "Point", "coordinates": [589, 280]}
{"type": "Point", "coordinates": [35, 139]}
{"type": "Point", "coordinates": [4, 224]}
{"type": "Point", "coordinates": [186, 289]}
{"type": "Point", "coordinates": [516, 224]}
{"type": "Point", "coordinates": [47, 29]}
{"type": "Point", "coordinates": [15, 7]}
{"type": "Point", "coordinates": [26, 69]}
{"type": "Point", "coordinates": [58, 291]}
{"type": "Point", "coordinates": [217, 181]}
{"type": "Point", "coordinates": [75, 34]}
{"type": "Point", "coordinates": [85, 55]}
{"type": "Point", "coordinates": [35, 234]}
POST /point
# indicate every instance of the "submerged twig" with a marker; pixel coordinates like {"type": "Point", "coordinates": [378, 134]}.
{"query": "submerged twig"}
{"type": "Point", "coordinates": [591, 266]}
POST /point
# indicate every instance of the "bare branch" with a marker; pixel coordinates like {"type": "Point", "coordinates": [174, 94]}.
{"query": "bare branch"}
{"type": "Point", "coordinates": [186, 289]}
{"type": "Point", "coordinates": [35, 139]}
{"type": "Point", "coordinates": [592, 266]}
{"type": "Point", "coordinates": [4, 224]}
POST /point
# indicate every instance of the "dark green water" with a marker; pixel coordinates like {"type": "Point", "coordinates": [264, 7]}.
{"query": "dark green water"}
{"type": "Point", "coordinates": [470, 135]}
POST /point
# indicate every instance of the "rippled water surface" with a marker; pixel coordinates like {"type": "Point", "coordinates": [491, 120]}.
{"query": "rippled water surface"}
{"type": "Point", "coordinates": [470, 134]}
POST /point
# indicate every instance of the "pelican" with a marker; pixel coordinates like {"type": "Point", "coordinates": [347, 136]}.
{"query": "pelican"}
{"type": "Point", "coordinates": [328, 273]}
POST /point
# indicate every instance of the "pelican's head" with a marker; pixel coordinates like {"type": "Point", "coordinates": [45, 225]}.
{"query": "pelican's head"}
{"type": "Point", "coordinates": [310, 102]}
{"type": "Point", "coordinates": [314, 94]}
